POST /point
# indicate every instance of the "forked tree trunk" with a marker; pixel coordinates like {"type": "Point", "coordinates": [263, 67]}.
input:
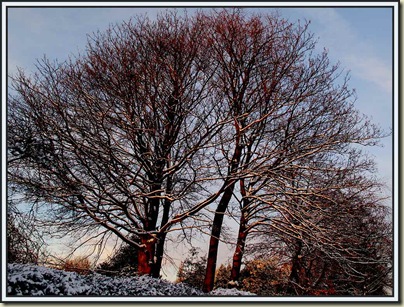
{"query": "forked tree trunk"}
{"type": "Point", "coordinates": [161, 240]}
{"type": "Point", "coordinates": [146, 253]}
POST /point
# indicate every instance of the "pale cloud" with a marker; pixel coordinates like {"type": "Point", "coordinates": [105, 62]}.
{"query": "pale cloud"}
{"type": "Point", "coordinates": [354, 52]}
{"type": "Point", "coordinates": [372, 69]}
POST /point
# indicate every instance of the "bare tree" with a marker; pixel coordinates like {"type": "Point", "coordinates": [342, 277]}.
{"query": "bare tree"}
{"type": "Point", "coordinates": [25, 241]}
{"type": "Point", "coordinates": [286, 106]}
{"type": "Point", "coordinates": [321, 230]}
{"type": "Point", "coordinates": [117, 139]}
{"type": "Point", "coordinates": [249, 68]}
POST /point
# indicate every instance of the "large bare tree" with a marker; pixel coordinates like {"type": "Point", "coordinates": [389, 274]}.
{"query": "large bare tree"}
{"type": "Point", "coordinates": [161, 119]}
{"type": "Point", "coordinates": [117, 138]}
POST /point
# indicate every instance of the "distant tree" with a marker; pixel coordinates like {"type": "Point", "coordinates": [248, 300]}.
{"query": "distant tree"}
{"type": "Point", "coordinates": [25, 243]}
{"type": "Point", "coordinates": [20, 249]}
{"type": "Point", "coordinates": [192, 269]}
{"type": "Point", "coordinates": [368, 248]}
{"type": "Point", "coordinates": [122, 262]}
{"type": "Point", "coordinates": [345, 248]}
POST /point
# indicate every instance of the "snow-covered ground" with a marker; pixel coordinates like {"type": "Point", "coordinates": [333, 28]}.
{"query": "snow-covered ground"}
{"type": "Point", "coordinates": [30, 280]}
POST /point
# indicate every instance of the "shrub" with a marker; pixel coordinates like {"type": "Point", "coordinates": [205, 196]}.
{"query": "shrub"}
{"type": "Point", "coordinates": [192, 270]}
{"type": "Point", "coordinates": [79, 265]}
{"type": "Point", "coordinates": [122, 263]}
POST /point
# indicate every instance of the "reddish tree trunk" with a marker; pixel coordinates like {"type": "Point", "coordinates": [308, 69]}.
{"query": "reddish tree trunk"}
{"type": "Point", "coordinates": [238, 254]}
{"type": "Point", "coordinates": [219, 214]}
{"type": "Point", "coordinates": [146, 255]}
{"type": "Point", "coordinates": [214, 239]}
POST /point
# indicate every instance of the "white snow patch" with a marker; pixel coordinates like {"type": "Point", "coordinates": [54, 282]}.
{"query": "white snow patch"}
{"type": "Point", "coordinates": [31, 280]}
{"type": "Point", "coordinates": [229, 292]}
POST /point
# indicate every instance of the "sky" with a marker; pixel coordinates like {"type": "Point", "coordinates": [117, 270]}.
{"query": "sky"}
{"type": "Point", "coordinates": [359, 38]}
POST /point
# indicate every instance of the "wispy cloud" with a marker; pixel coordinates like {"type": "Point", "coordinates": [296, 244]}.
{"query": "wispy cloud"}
{"type": "Point", "coordinates": [353, 51]}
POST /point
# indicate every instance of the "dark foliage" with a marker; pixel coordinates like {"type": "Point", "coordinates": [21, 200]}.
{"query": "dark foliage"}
{"type": "Point", "coordinates": [192, 270]}
{"type": "Point", "coordinates": [122, 262]}
{"type": "Point", "coordinates": [25, 243]}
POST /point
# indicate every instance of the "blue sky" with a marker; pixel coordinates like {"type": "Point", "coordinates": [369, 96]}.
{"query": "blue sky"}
{"type": "Point", "coordinates": [360, 38]}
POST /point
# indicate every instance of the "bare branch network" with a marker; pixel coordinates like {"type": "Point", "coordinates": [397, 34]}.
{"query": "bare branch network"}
{"type": "Point", "coordinates": [160, 122]}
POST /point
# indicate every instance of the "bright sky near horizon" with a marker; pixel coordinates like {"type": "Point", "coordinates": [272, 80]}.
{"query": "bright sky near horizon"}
{"type": "Point", "coordinates": [360, 38]}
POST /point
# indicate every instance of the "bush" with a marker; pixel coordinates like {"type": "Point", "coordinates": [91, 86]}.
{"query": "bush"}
{"type": "Point", "coordinates": [79, 265]}
{"type": "Point", "coordinates": [192, 270]}
{"type": "Point", "coordinates": [122, 263]}
{"type": "Point", "coordinates": [222, 277]}
{"type": "Point", "coordinates": [29, 280]}
{"type": "Point", "coordinates": [263, 276]}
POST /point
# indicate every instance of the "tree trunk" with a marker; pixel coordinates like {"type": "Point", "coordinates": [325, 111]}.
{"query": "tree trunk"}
{"type": "Point", "coordinates": [214, 239]}
{"type": "Point", "coordinates": [294, 277]}
{"type": "Point", "coordinates": [219, 214]}
{"type": "Point", "coordinates": [159, 255]}
{"type": "Point", "coordinates": [161, 240]}
{"type": "Point", "coordinates": [146, 255]}
{"type": "Point", "coordinates": [242, 232]}
{"type": "Point", "coordinates": [239, 252]}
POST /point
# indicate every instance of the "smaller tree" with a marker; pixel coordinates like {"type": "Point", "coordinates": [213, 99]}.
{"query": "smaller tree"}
{"type": "Point", "coordinates": [192, 270]}
{"type": "Point", "coordinates": [123, 261]}
{"type": "Point", "coordinates": [80, 265]}
{"type": "Point", "coordinates": [222, 277]}
{"type": "Point", "coordinates": [344, 250]}
{"type": "Point", "coordinates": [264, 277]}
{"type": "Point", "coordinates": [25, 243]}
{"type": "Point", "coordinates": [19, 246]}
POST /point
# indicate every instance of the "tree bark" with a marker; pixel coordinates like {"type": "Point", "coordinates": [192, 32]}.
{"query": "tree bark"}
{"type": "Point", "coordinates": [159, 255]}
{"type": "Point", "coordinates": [218, 220]}
{"type": "Point", "coordinates": [164, 220]}
{"type": "Point", "coordinates": [242, 233]}
{"type": "Point", "coordinates": [239, 252]}
{"type": "Point", "coordinates": [214, 239]}
{"type": "Point", "coordinates": [145, 255]}
{"type": "Point", "coordinates": [294, 277]}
